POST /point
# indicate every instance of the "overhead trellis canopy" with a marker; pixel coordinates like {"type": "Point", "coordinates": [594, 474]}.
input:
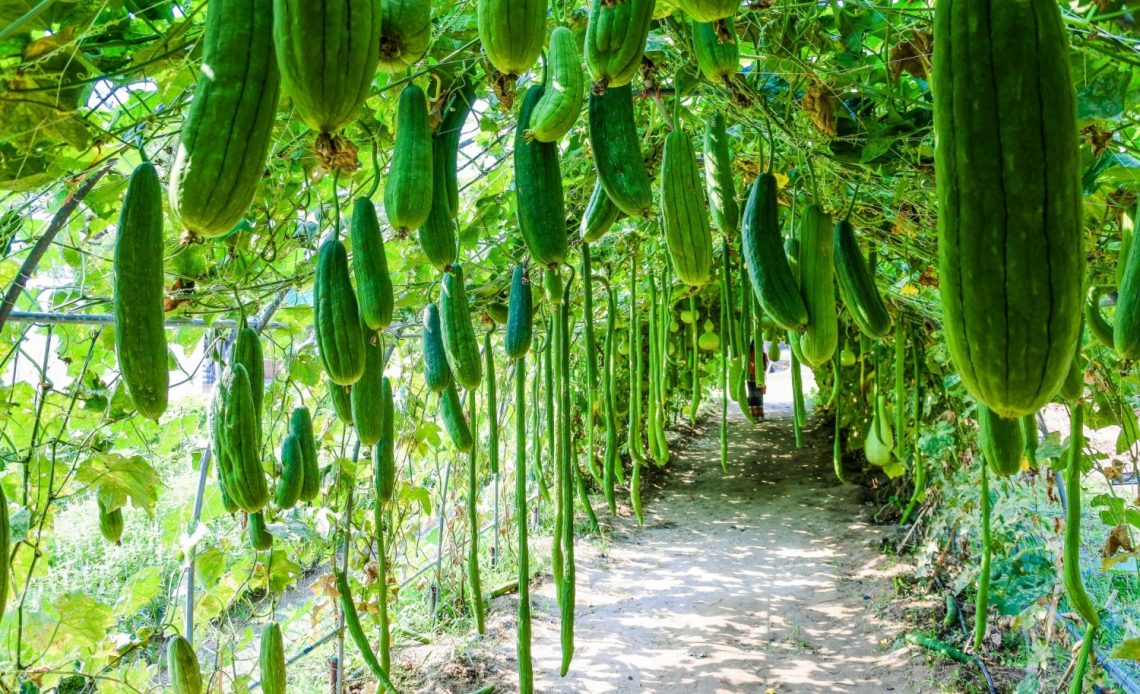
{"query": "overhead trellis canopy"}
{"type": "Point", "coordinates": [840, 88]}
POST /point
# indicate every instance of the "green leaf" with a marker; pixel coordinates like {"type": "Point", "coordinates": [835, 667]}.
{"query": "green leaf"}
{"type": "Point", "coordinates": [1129, 649]}
{"type": "Point", "coordinates": [410, 494]}
{"type": "Point", "coordinates": [83, 621]}
{"type": "Point", "coordinates": [119, 477]}
{"type": "Point", "coordinates": [1129, 432]}
{"type": "Point", "coordinates": [140, 590]}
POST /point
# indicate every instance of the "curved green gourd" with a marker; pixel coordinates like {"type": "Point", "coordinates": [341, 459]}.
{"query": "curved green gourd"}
{"type": "Point", "coordinates": [520, 315]}
{"type": "Point", "coordinates": [340, 338]}
{"type": "Point", "coordinates": [1009, 223]}
{"type": "Point", "coordinates": [140, 322]}
{"type": "Point", "coordinates": [857, 285]}
{"type": "Point", "coordinates": [366, 398]}
{"type": "Point", "coordinates": [512, 33]}
{"type": "Point", "coordinates": [272, 659]}
{"type": "Point", "coordinates": [327, 52]}
{"type": "Point", "coordinates": [817, 279]}
{"type": "Point", "coordinates": [405, 33]}
{"type": "Point", "coordinates": [457, 332]}
{"type": "Point", "coordinates": [411, 177]}
{"type": "Point", "coordinates": [437, 233]}
{"type": "Point", "coordinates": [1100, 328]}
{"type": "Point", "coordinates": [225, 139]}
{"type": "Point", "coordinates": [615, 40]}
{"type": "Point", "coordinates": [182, 667]}
{"type": "Point", "coordinates": [1001, 441]}
{"type": "Point", "coordinates": [292, 479]}
{"type": "Point", "coordinates": [341, 401]}
{"type": "Point", "coordinates": [454, 421]}
{"type": "Point", "coordinates": [718, 177]}
{"type": "Point", "coordinates": [239, 448]}
{"type": "Point", "coordinates": [1071, 570]}
{"type": "Point", "coordinates": [599, 216]}
{"type": "Point", "coordinates": [247, 352]}
{"type": "Point", "coordinates": [301, 426]}
{"type": "Point", "coordinates": [259, 537]}
{"type": "Point", "coordinates": [617, 151]}
{"type": "Point", "coordinates": [110, 522]}
{"type": "Point", "coordinates": [718, 52]}
{"type": "Point", "coordinates": [762, 247]}
{"type": "Point", "coordinates": [687, 234]}
{"type": "Point", "coordinates": [437, 372]}
{"type": "Point", "coordinates": [374, 295]}
{"type": "Point", "coordinates": [538, 190]}
{"type": "Point", "coordinates": [384, 452]}
{"type": "Point", "coordinates": [561, 102]}
{"type": "Point", "coordinates": [1126, 327]}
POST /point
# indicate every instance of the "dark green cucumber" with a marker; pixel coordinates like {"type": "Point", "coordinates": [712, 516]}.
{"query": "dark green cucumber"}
{"type": "Point", "coordinates": [718, 177]}
{"type": "Point", "coordinates": [384, 452]}
{"type": "Point", "coordinates": [370, 267]}
{"type": "Point", "coordinates": [685, 219]}
{"type": "Point", "coordinates": [599, 216]}
{"type": "Point", "coordinates": [301, 426]}
{"type": "Point", "coordinates": [292, 479]}
{"type": "Point", "coordinates": [140, 329]}
{"type": "Point", "coordinates": [408, 191]}
{"type": "Point", "coordinates": [1010, 237]}
{"type": "Point", "coordinates": [617, 151]}
{"type": "Point", "coordinates": [538, 190]}
{"type": "Point", "coordinates": [366, 397]}
{"type": "Point", "coordinates": [1001, 441]}
{"type": "Point", "coordinates": [342, 402]}
{"type": "Point", "coordinates": [857, 285]}
{"type": "Point", "coordinates": [454, 421]}
{"type": "Point", "coordinates": [459, 343]}
{"type": "Point", "coordinates": [763, 249]}
{"type": "Point", "coordinates": [340, 338]}
{"type": "Point", "coordinates": [520, 318]}
{"type": "Point", "coordinates": [437, 372]}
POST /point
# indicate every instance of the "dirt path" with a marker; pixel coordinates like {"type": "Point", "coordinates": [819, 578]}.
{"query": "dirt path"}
{"type": "Point", "coordinates": [763, 578]}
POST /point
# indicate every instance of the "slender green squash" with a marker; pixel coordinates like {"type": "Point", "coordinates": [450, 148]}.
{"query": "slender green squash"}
{"type": "Point", "coordinates": [837, 439]}
{"type": "Point", "coordinates": [1126, 327]}
{"type": "Point", "coordinates": [1001, 442]}
{"type": "Point", "coordinates": [225, 138]}
{"type": "Point", "coordinates": [247, 352]}
{"type": "Point", "coordinates": [1071, 574]}
{"type": "Point", "coordinates": [366, 398]}
{"type": "Point", "coordinates": [259, 537]}
{"type": "Point", "coordinates": [5, 553]}
{"type": "Point", "coordinates": [636, 452]}
{"type": "Point", "coordinates": [238, 451]}
{"type": "Point", "coordinates": [384, 452]}
{"type": "Point", "coordinates": [110, 522]}
{"type": "Point", "coordinates": [762, 246]}
{"type": "Point", "coordinates": [437, 233]}
{"type": "Point", "coordinates": [342, 402]}
{"type": "Point", "coordinates": [709, 10]}
{"type": "Point", "coordinates": [538, 189]}
{"type": "Point", "coordinates": [981, 600]}
{"type": "Point", "coordinates": [615, 41]}
{"type": "Point", "coordinates": [900, 390]}
{"type": "Point", "coordinates": [686, 222]}
{"type": "Point", "coordinates": [520, 315]}
{"type": "Point", "coordinates": [718, 176]}
{"type": "Point", "coordinates": [880, 441]}
{"type": "Point", "coordinates": [272, 660]}
{"type": "Point", "coordinates": [591, 349]}
{"type": "Point", "coordinates": [1100, 328]}
{"type": "Point", "coordinates": [454, 422]}
{"type": "Point", "coordinates": [140, 327]}
{"type": "Point", "coordinates": [857, 285]}
{"type": "Point", "coordinates": [327, 52]}
{"type": "Point", "coordinates": [408, 192]}
{"type": "Point", "coordinates": [370, 267]}
{"type": "Point", "coordinates": [491, 404]}
{"type": "Point", "coordinates": [356, 631]}
{"type": "Point", "coordinates": [798, 414]}
{"type": "Point", "coordinates": [611, 461]}
{"type": "Point", "coordinates": [600, 215]}
{"type": "Point", "coordinates": [565, 89]}
{"type": "Point", "coordinates": [522, 629]}
{"type": "Point", "coordinates": [1029, 438]}
{"type": "Point", "coordinates": [437, 372]}
{"type": "Point", "coordinates": [405, 33]}
{"type": "Point", "coordinates": [340, 339]}
{"type": "Point", "coordinates": [718, 53]}
{"type": "Point", "coordinates": [292, 479]}
{"type": "Point", "coordinates": [554, 435]}
{"type": "Point", "coordinates": [457, 332]}
{"type": "Point", "coordinates": [1009, 223]}
{"type": "Point", "coordinates": [182, 667]}
{"type": "Point", "coordinates": [473, 581]}
{"type": "Point", "coordinates": [512, 33]}
{"type": "Point", "coordinates": [1081, 663]}
{"type": "Point", "coordinates": [301, 426]}
{"type": "Point", "coordinates": [617, 150]}
{"type": "Point", "coordinates": [817, 278]}
{"type": "Point", "coordinates": [569, 473]}
{"type": "Point", "coordinates": [722, 368]}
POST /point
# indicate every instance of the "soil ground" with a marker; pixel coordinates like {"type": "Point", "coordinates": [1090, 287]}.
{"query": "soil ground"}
{"type": "Point", "coordinates": [765, 579]}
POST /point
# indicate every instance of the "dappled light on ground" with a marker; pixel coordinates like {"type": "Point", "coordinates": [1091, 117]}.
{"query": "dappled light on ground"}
{"type": "Point", "coordinates": [766, 577]}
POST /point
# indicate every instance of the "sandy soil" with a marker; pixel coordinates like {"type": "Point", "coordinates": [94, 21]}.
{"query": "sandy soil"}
{"type": "Point", "coordinates": [767, 579]}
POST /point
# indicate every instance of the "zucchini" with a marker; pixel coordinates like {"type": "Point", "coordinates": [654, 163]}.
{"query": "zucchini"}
{"type": "Point", "coordinates": [617, 150]}
{"type": "Point", "coordinates": [857, 284]}
{"type": "Point", "coordinates": [458, 334]}
{"type": "Point", "coordinates": [687, 234]}
{"type": "Point", "coordinates": [772, 280]}
{"type": "Point", "coordinates": [538, 190]}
